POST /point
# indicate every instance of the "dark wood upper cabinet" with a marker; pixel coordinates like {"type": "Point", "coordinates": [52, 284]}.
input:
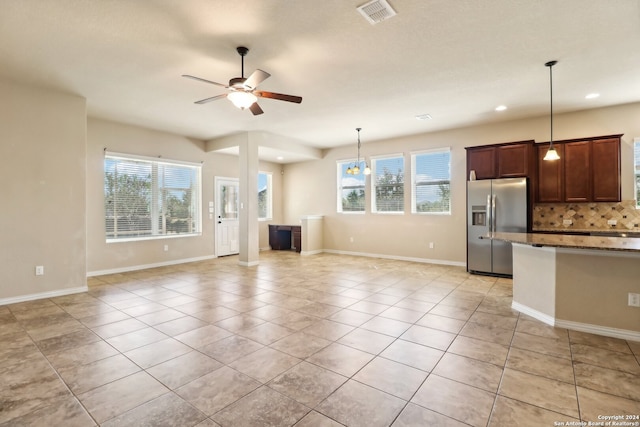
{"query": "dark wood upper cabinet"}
{"type": "Point", "coordinates": [510, 160]}
{"type": "Point", "coordinates": [577, 171]}
{"type": "Point", "coordinates": [588, 171]}
{"type": "Point", "coordinates": [549, 184]}
{"type": "Point", "coordinates": [605, 169]}
{"type": "Point", "coordinates": [483, 161]}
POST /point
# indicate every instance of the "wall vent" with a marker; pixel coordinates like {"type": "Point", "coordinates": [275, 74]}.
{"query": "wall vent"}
{"type": "Point", "coordinates": [376, 11]}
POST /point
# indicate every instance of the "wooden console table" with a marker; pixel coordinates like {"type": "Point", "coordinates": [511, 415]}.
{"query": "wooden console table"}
{"type": "Point", "coordinates": [285, 237]}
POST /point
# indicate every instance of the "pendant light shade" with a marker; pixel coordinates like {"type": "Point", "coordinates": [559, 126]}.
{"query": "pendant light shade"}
{"type": "Point", "coordinates": [355, 169]}
{"type": "Point", "coordinates": [552, 154]}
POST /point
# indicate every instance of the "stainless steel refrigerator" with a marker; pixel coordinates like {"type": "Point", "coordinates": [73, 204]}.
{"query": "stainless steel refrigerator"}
{"type": "Point", "coordinates": [494, 205]}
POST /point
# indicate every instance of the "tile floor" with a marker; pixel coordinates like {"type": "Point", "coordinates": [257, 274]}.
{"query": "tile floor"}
{"type": "Point", "coordinates": [325, 340]}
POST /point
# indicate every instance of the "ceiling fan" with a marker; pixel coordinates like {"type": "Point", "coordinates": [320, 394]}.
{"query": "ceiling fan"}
{"type": "Point", "coordinates": [242, 91]}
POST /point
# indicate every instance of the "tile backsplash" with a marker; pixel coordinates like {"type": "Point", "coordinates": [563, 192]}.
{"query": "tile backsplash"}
{"type": "Point", "coordinates": [587, 216]}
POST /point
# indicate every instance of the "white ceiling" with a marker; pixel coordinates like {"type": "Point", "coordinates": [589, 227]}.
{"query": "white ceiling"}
{"type": "Point", "coordinates": [453, 59]}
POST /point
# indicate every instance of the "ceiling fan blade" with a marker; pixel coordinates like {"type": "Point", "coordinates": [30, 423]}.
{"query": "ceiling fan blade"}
{"type": "Point", "coordinates": [257, 77]}
{"type": "Point", "coordinates": [255, 109]}
{"type": "Point", "coordinates": [203, 80]}
{"type": "Point", "coordinates": [279, 96]}
{"type": "Point", "coordinates": [213, 98]}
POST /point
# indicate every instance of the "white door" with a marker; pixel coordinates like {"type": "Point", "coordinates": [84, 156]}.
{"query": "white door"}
{"type": "Point", "coordinates": [227, 222]}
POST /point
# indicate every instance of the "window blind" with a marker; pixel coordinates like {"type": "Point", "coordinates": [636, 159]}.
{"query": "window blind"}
{"type": "Point", "coordinates": [388, 184]}
{"type": "Point", "coordinates": [431, 177]}
{"type": "Point", "coordinates": [149, 198]}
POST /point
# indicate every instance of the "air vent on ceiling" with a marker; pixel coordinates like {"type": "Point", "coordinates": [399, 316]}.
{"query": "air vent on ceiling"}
{"type": "Point", "coordinates": [376, 11]}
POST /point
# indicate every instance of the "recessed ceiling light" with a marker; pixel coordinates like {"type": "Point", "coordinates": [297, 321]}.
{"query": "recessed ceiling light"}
{"type": "Point", "coordinates": [280, 158]}
{"type": "Point", "coordinates": [424, 117]}
{"type": "Point", "coordinates": [592, 96]}
{"type": "Point", "coordinates": [501, 107]}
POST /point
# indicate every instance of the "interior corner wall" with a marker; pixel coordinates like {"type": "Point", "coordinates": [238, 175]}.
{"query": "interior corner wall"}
{"type": "Point", "coordinates": [106, 257]}
{"type": "Point", "coordinates": [309, 188]}
{"type": "Point", "coordinates": [42, 219]}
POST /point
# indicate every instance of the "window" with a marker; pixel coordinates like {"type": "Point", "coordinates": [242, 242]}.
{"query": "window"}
{"type": "Point", "coordinates": [431, 181]}
{"type": "Point", "coordinates": [388, 184]}
{"type": "Point", "coordinates": [350, 188]}
{"type": "Point", "coordinates": [264, 196]}
{"type": "Point", "coordinates": [147, 198]}
{"type": "Point", "coordinates": [636, 158]}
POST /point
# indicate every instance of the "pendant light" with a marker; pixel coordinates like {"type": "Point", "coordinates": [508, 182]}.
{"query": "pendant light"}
{"type": "Point", "coordinates": [552, 154]}
{"type": "Point", "coordinates": [355, 169]}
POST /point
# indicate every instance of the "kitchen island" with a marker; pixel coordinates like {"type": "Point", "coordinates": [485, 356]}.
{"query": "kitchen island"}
{"type": "Point", "coordinates": [577, 282]}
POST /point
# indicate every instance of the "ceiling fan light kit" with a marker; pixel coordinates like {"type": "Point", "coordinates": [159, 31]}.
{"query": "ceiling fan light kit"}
{"type": "Point", "coordinates": [242, 91]}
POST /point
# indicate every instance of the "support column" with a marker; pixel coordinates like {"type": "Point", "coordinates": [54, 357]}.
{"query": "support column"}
{"type": "Point", "coordinates": [248, 180]}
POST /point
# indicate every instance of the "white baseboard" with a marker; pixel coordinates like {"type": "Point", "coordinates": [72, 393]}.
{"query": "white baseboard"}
{"type": "Point", "coordinates": [398, 258]}
{"type": "Point", "coordinates": [624, 334]}
{"type": "Point", "coordinates": [248, 264]}
{"type": "Point", "coordinates": [606, 331]}
{"type": "Point", "coordinates": [42, 295]}
{"type": "Point", "coordinates": [316, 252]}
{"type": "Point", "coordinates": [145, 266]}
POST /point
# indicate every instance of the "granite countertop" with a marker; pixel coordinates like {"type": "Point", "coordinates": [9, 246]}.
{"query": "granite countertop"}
{"type": "Point", "coordinates": [629, 244]}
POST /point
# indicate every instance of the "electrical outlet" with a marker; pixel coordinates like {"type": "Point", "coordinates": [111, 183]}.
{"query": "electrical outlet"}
{"type": "Point", "coordinates": [430, 245]}
{"type": "Point", "coordinates": [351, 239]}
{"type": "Point", "coordinates": [39, 270]}
{"type": "Point", "coordinates": [612, 222]}
{"type": "Point", "coordinates": [166, 248]}
{"type": "Point", "coordinates": [634, 300]}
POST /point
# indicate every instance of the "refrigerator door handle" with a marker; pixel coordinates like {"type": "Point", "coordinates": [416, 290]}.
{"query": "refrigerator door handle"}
{"type": "Point", "coordinates": [489, 213]}
{"type": "Point", "coordinates": [493, 213]}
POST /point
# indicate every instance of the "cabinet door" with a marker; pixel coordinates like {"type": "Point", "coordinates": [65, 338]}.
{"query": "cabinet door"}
{"type": "Point", "coordinates": [549, 187]}
{"type": "Point", "coordinates": [483, 161]}
{"type": "Point", "coordinates": [605, 169]}
{"type": "Point", "coordinates": [577, 171]}
{"type": "Point", "coordinates": [513, 160]}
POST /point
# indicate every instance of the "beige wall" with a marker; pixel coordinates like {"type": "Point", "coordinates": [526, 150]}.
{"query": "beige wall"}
{"type": "Point", "coordinates": [42, 219]}
{"type": "Point", "coordinates": [310, 187]}
{"type": "Point", "coordinates": [121, 138]}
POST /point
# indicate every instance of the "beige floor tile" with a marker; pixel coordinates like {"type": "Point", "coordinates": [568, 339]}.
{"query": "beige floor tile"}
{"type": "Point", "coordinates": [494, 320]}
{"type": "Point", "coordinates": [161, 316]}
{"type": "Point", "coordinates": [459, 401]}
{"type": "Point", "coordinates": [82, 355]}
{"type": "Point", "coordinates": [390, 327]}
{"type": "Point", "coordinates": [296, 321]}
{"type": "Point", "coordinates": [167, 410]}
{"type": "Point", "coordinates": [358, 405]}
{"type": "Point", "coordinates": [262, 407]}
{"type": "Point", "coordinates": [509, 412]}
{"type": "Point", "coordinates": [215, 314]}
{"type": "Point", "coordinates": [81, 378]}
{"type": "Point", "coordinates": [441, 323]}
{"type": "Point", "coordinates": [104, 318]}
{"type": "Point", "coordinates": [492, 334]}
{"type": "Point", "coordinates": [362, 339]}
{"type": "Point", "coordinates": [412, 354]}
{"type": "Point", "coordinates": [318, 309]}
{"type": "Point", "coordinates": [539, 391]}
{"type": "Point", "coordinates": [68, 341]}
{"type": "Point", "coordinates": [328, 330]}
{"type": "Point", "coordinates": [594, 403]}
{"type": "Point", "coordinates": [453, 312]}
{"type": "Point", "coordinates": [307, 383]}
{"type": "Point", "coordinates": [541, 364]}
{"type": "Point", "coordinates": [264, 364]}
{"type": "Point", "coordinates": [142, 309]}
{"type": "Point", "coordinates": [180, 325]}
{"type": "Point", "coordinates": [158, 352]}
{"type": "Point", "coordinates": [429, 337]}
{"type": "Point", "coordinates": [350, 317]}
{"type": "Point", "coordinates": [268, 312]}
{"type": "Point", "coordinates": [480, 350]}
{"type": "Point", "coordinates": [341, 359]}
{"type": "Point", "coordinates": [608, 381]}
{"type": "Point", "coordinates": [402, 314]}
{"type": "Point", "coordinates": [203, 336]}
{"type": "Point", "coordinates": [266, 333]}
{"type": "Point", "coordinates": [391, 377]}
{"type": "Point", "coordinates": [625, 362]}
{"type": "Point", "coordinates": [369, 307]}
{"type": "Point", "coordinates": [239, 322]}
{"type": "Point", "coordinates": [65, 411]}
{"type": "Point", "coordinates": [136, 339]}
{"type": "Point", "coordinates": [180, 370]}
{"type": "Point", "coordinates": [231, 348]}
{"type": "Point", "coordinates": [415, 305]}
{"type": "Point", "coordinates": [316, 419]}
{"type": "Point", "coordinates": [121, 327]}
{"type": "Point", "coordinates": [115, 398]}
{"type": "Point", "coordinates": [469, 371]}
{"type": "Point", "coordinates": [414, 415]}
{"type": "Point", "coordinates": [300, 345]}
{"type": "Point", "coordinates": [535, 327]}
{"type": "Point", "coordinates": [216, 390]}
{"type": "Point", "coordinates": [607, 343]}
{"type": "Point", "coordinates": [548, 346]}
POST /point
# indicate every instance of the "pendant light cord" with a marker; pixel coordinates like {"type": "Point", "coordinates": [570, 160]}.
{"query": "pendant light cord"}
{"type": "Point", "coordinates": [550, 64]}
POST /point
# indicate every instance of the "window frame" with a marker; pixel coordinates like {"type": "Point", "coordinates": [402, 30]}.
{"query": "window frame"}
{"type": "Point", "coordinates": [269, 190]}
{"type": "Point", "coordinates": [340, 188]}
{"type": "Point", "coordinates": [414, 184]}
{"type": "Point", "coordinates": [157, 199]}
{"type": "Point", "coordinates": [374, 185]}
